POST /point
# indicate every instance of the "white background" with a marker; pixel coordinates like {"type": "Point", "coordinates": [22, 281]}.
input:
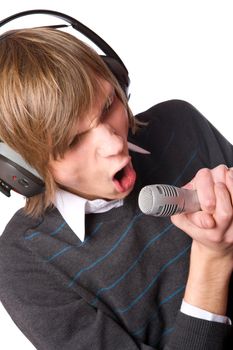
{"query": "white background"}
{"type": "Point", "coordinates": [172, 49]}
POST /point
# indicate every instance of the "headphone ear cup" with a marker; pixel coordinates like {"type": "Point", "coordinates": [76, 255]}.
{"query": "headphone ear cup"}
{"type": "Point", "coordinates": [119, 71]}
{"type": "Point", "coordinates": [16, 174]}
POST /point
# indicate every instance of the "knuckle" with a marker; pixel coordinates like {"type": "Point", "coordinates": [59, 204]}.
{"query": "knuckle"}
{"type": "Point", "coordinates": [220, 172]}
{"type": "Point", "coordinates": [203, 172]}
{"type": "Point", "coordinates": [222, 167]}
{"type": "Point", "coordinates": [209, 204]}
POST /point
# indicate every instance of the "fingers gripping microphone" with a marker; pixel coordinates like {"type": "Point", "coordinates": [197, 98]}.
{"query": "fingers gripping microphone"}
{"type": "Point", "coordinates": [166, 200]}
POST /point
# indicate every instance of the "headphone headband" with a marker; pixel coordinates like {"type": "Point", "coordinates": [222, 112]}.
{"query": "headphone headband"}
{"type": "Point", "coordinates": [95, 38]}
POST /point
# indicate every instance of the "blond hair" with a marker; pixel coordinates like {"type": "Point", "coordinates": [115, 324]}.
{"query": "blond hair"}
{"type": "Point", "coordinates": [48, 79]}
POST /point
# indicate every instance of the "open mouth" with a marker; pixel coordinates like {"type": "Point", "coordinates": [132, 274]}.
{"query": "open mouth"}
{"type": "Point", "coordinates": [119, 175]}
{"type": "Point", "coordinates": [125, 178]}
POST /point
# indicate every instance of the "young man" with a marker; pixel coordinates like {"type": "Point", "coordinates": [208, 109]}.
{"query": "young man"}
{"type": "Point", "coordinates": [80, 266]}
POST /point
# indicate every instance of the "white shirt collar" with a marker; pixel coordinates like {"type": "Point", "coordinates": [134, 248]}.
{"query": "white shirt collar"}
{"type": "Point", "coordinates": [73, 208]}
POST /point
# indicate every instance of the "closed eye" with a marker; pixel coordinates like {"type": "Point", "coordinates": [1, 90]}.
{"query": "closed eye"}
{"type": "Point", "coordinates": [104, 114]}
{"type": "Point", "coordinates": [76, 139]}
{"type": "Point", "coordinates": [108, 106]}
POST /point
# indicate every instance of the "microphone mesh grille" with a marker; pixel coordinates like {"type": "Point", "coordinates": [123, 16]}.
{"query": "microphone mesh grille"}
{"type": "Point", "coordinates": [145, 200]}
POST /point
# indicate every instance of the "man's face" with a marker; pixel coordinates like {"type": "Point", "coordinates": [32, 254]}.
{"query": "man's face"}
{"type": "Point", "coordinates": [97, 163]}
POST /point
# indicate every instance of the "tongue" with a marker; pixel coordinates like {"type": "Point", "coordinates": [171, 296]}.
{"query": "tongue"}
{"type": "Point", "coordinates": [127, 181]}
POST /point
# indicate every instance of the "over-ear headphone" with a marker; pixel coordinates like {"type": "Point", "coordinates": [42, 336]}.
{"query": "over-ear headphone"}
{"type": "Point", "coordinates": [15, 173]}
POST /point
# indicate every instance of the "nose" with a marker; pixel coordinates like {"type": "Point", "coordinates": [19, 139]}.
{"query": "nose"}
{"type": "Point", "coordinates": [109, 142]}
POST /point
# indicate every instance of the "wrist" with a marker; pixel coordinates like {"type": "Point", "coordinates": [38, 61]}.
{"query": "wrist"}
{"type": "Point", "coordinates": [212, 263]}
{"type": "Point", "coordinates": [208, 280]}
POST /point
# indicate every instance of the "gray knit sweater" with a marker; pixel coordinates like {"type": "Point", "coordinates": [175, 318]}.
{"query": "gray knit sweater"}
{"type": "Point", "coordinates": [122, 287]}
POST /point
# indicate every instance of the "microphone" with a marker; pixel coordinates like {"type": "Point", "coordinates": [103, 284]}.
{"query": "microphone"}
{"type": "Point", "coordinates": [167, 200]}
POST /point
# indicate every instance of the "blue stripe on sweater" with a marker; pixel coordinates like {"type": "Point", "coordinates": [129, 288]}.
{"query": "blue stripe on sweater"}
{"type": "Point", "coordinates": [193, 156]}
{"type": "Point", "coordinates": [166, 332]}
{"type": "Point", "coordinates": [155, 314]}
{"type": "Point", "coordinates": [53, 233]}
{"type": "Point", "coordinates": [154, 280]}
{"type": "Point", "coordinates": [137, 260]}
{"type": "Point", "coordinates": [66, 248]}
{"type": "Point", "coordinates": [114, 247]}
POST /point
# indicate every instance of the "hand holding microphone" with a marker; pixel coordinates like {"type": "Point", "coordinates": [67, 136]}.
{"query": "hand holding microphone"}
{"type": "Point", "coordinates": [208, 207]}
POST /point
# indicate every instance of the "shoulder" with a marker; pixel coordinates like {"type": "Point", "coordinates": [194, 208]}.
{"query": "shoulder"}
{"type": "Point", "coordinates": [179, 137]}
{"type": "Point", "coordinates": [174, 119]}
{"type": "Point", "coordinates": [14, 242]}
{"type": "Point", "coordinates": [12, 247]}
{"type": "Point", "coordinates": [16, 227]}
{"type": "Point", "coordinates": [21, 252]}
{"type": "Point", "coordinates": [171, 111]}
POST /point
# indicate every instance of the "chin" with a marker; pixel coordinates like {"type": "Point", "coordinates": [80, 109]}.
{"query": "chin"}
{"type": "Point", "coordinates": [121, 195]}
